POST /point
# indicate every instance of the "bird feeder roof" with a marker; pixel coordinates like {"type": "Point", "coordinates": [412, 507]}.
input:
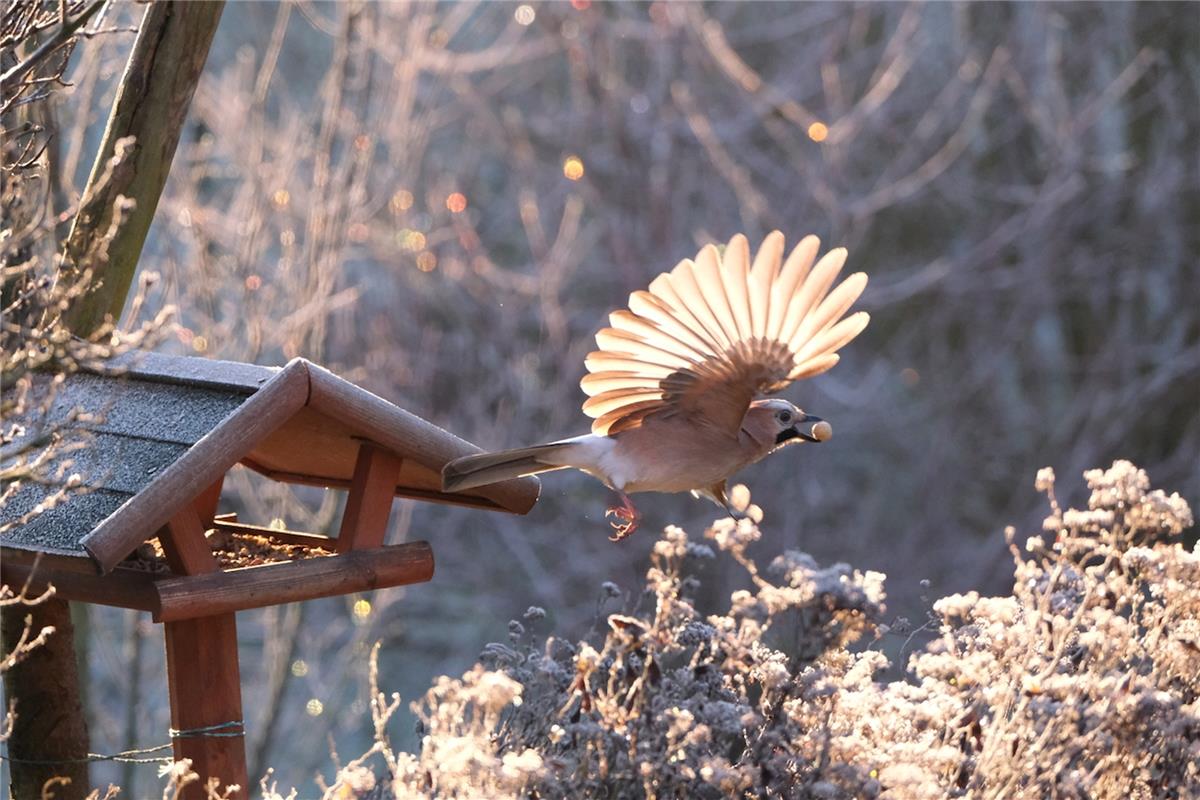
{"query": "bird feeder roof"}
{"type": "Point", "coordinates": [148, 433]}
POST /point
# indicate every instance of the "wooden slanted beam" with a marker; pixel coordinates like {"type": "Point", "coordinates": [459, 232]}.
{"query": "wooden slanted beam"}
{"type": "Point", "coordinates": [274, 584]}
{"type": "Point", "coordinates": [206, 461]}
{"type": "Point", "coordinates": [369, 504]}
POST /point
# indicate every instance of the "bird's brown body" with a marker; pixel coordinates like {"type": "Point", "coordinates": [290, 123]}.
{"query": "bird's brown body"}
{"type": "Point", "coordinates": [672, 453]}
{"type": "Point", "coordinates": [673, 387]}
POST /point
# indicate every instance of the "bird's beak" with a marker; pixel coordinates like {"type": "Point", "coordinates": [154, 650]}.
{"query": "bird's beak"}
{"type": "Point", "coordinates": [794, 432]}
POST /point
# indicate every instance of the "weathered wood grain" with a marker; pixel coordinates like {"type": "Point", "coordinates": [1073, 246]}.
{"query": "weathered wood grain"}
{"type": "Point", "coordinates": [273, 584]}
{"type": "Point", "coordinates": [205, 688]}
{"type": "Point", "coordinates": [184, 546]}
{"type": "Point", "coordinates": [198, 468]}
{"type": "Point", "coordinates": [123, 588]}
{"type": "Point", "coordinates": [410, 437]}
{"type": "Point", "coordinates": [369, 504]}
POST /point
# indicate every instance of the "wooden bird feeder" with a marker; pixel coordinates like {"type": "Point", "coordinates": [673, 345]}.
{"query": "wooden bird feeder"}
{"type": "Point", "coordinates": [145, 532]}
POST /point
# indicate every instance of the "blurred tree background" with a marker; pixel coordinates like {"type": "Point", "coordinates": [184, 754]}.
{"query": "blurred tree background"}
{"type": "Point", "coordinates": [443, 201]}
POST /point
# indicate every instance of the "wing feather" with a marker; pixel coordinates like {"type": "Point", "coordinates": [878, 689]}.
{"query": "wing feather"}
{"type": "Point", "coordinates": [647, 331]}
{"type": "Point", "coordinates": [762, 277]}
{"type": "Point", "coordinates": [681, 296]}
{"type": "Point", "coordinates": [601, 404]}
{"type": "Point", "coordinates": [736, 275]}
{"type": "Point", "coordinates": [614, 340]}
{"type": "Point", "coordinates": [686, 283]}
{"type": "Point", "coordinates": [814, 367]}
{"type": "Point", "coordinates": [814, 287]}
{"type": "Point", "coordinates": [714, 332]}
{"type": "Point", "coordinates": [830, 310]}
{"type": "Point", "coordinates": [601, 361]}
{"type": "Point", "coordinates": [596, 382]}
{"type": "Point", "coordinates": [709, 275]}
{"type": "Point", "coordinates": [834, 337]}
{"type": "Point", "coordinates": [625, 418]}
{"type": "Point", "coordinates": [658, 312]}
{"type": "Point", "coordinates": [794, 271]}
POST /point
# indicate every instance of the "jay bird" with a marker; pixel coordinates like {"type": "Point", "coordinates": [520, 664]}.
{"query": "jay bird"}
{"type": "Point", "coordinates": [674, 386]}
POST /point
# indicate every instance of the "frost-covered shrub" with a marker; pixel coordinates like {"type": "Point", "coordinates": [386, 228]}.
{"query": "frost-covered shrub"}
{"type": "Point", "coordinates": [1082, 684]}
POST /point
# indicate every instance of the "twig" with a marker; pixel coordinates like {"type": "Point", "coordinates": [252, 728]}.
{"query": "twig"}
{"type": "Point", "coordinates": [63, 35]}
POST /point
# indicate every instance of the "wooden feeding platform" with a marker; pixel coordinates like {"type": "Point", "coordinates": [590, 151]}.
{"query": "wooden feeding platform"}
{"type": "Point", "coordinates": [152, 438]}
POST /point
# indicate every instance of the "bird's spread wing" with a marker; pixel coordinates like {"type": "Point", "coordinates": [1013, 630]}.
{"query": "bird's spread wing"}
{"type": "Point", "coordinates": [714, 332]}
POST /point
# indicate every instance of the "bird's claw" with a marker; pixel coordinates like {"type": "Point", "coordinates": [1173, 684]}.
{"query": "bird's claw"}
{"type": "Point", "coordinates": [624, 521]}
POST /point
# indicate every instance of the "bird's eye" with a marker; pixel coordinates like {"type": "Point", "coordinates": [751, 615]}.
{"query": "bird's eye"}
{"type": "Point", "coordinates": [785, 417]}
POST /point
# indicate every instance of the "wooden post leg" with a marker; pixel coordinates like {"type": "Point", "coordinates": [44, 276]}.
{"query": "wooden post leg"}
{"type": "Point", "coordinates": [206, 504]}
{"type": "Point", "coordinates": [369, 503]}
{"type": "Point", "coordinates": [205, 688]}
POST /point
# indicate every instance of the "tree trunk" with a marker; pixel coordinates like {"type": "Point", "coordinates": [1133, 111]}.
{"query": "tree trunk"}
{"type": "Point", "coordinates": [152, 102]}
{"type": "Point", "coordinates": [151, 105]}
{"type": "Point", "coordinates": [49, 715]}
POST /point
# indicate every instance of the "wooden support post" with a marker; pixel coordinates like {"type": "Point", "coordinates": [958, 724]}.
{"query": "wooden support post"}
{"type": "Point", "coordinates": [369, 503]}
{"type": "Point", "coordinates": [205, 688]}
{"type": "Point", "coordinates": [184, 545]}
{"type": "Point", "coordinates": [206, 504]}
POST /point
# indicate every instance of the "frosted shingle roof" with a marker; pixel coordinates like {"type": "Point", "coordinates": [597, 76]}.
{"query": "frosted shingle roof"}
{"type": "Point", "coordinates": [118, 433]}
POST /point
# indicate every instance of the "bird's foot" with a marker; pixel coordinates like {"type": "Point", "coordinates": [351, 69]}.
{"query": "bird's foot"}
{"type": "Point", "coordinates": [624, 519]}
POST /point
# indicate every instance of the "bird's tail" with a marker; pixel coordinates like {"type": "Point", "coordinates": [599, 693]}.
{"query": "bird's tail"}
{"type": "Point", "coordinates": [469, 472]}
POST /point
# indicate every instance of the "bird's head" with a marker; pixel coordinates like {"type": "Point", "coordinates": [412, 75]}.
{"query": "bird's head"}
{"type": "Point", "coordinates": [776, 422]}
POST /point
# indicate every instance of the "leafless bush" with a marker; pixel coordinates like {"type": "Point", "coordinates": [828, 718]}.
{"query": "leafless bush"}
{"type": "Point", "coordinates": [1083, 683]}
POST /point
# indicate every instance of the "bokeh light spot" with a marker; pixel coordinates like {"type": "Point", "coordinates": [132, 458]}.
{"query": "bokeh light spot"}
{"type": "Point", "coordinates": [456, 202]}
{"type": "Point", "coordinates": [281, 198]}
{"type": "Point", "coordinates": [410, 240]}
{"type": "Point", "coordinates": [299, 668]}
{"type": "Point", "coordinates": [362, 609]}
{"type": "Point", "coordinates": [524, 15]}
{"type": "Point", "coordinates": [253, 283]}
{"type": "Point", "coordinates": [818, 131]}
{"type": "Point", "coordinates": [199, 344]}
{"type": "Point", "coordinates": [573, 168]}
{"type": "Point", "coordinates": [314, 707]}
{"type": "Point", "coordinates": [401, 200]}
{"type": "Point", "coordinates": [427, 262]}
